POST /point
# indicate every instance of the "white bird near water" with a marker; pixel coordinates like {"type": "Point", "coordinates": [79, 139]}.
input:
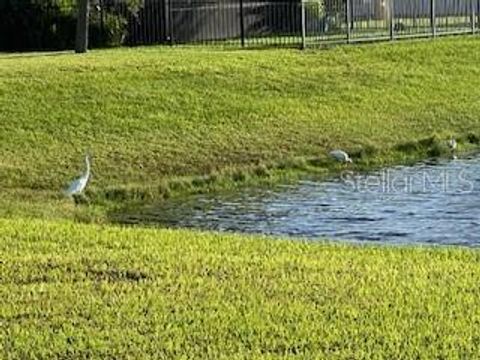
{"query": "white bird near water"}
{"type": "Point", "coordinates": [340, 156]}
{"type": "Point", "coordinates": [452, 144]}
{"type": "Point", "coordinates": [78, 185]}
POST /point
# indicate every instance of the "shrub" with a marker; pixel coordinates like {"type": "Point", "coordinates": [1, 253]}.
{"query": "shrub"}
{"type": "Point", "coordinates": [324, 16]}
{"type": "Point", "coordinates": [109, 21]}
{"type": "Point", "coordinates": [28, 25]}
{"type": "Point", "coordinates": [107, 29]}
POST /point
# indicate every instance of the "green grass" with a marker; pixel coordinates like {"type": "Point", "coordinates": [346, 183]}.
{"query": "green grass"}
{"type": "Point", "coordinates": [86, 291]}
{"type": "Point", "coordinates": [162, 120]}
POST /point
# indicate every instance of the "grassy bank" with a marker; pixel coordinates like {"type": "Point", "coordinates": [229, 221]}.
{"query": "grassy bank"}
{"type": "Point", "coordinates": [161, 120]}
{"type": "Point", "coordinates": [87, 291]}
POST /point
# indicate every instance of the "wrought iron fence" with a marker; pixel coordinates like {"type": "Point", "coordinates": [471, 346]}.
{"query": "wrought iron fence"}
{"type": "Point", "coordinates": [246, 23]}
{"type": "Point", "coordinates": [297, 23]}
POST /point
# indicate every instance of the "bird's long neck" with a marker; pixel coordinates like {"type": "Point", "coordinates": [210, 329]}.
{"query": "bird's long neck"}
{"type": "Point", "coordinates": [87, 163]}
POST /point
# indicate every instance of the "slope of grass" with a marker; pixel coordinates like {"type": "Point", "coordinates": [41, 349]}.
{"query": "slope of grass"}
{"type": "Point", "coordinates": [163, 120]}
{"type": "Point", "coordinates": [152, 115]}
{"type": "Point", "coordinates": [86, 291]}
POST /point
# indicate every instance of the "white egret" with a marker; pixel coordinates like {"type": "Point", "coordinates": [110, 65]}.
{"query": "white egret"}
{"type": "Point", "coordinates": [340, 156]}
{"type": "Point", "coordinates": [452, 144]}
{"type": "Point", "coordinates": [78, 185]}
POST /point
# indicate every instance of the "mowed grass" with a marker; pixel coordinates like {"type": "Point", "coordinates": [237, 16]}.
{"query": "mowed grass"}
{"type": "Point", "coordinates": [88, 291]}
{"type": "Point", "coordinates": [161, 120]}
{"type": "Point", "coordinates": [152, 116]}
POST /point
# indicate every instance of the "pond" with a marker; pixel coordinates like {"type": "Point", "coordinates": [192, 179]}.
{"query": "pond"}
{"type": "Point", "coordinates": [434, 202]}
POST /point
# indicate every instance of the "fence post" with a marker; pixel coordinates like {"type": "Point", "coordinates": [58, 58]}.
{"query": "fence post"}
{"type": "Point", "coordinates": [474, 17]}
{"type": "Point", "coordinates": [166, 21]}
{"type": "Point", "coordinates": [304, 26]}
{"type": "Point", "coordinates": [170, 23]}
{"type": "Point", "coordinates": [433, 18]}
{"type": "Point", "coordinates": [392, 19]}
{"type": "Point", "coordinates": [81, 37]}
{"type": "Point", "coordinates": [242, 24]}
{"type": "Point", "coordinates": [477, 12]}
{"type": "Point", "coordinates": [348, 10]}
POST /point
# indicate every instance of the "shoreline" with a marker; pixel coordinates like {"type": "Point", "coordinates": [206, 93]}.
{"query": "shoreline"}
{"type": "Point", "coordinates": [102, 202]}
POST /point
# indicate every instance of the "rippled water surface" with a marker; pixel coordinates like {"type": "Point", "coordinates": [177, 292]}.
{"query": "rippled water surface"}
{"type": "Point", "coordinates": [430, 203]}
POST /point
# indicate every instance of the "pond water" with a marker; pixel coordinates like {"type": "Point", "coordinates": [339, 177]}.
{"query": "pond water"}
{"type": "Point", "coordinates": [429, 203]}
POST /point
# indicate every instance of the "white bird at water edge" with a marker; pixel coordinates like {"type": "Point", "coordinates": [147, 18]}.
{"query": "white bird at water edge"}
{"type": "Point", "coordinates": [341, 156]}
{"type": "Point", "coordinates": [452, 144]}
{"type": "Point", "coordinates": [78, 185]}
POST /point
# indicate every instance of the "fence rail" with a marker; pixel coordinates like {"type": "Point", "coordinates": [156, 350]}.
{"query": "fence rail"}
{"type": "Point", "coordinates": [250, 23]}
{"type": "Point", "coordinates": [299, 23]}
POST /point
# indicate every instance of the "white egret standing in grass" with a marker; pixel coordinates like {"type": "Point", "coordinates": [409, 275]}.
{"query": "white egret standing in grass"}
{"type": "Point", "coordinates": [78, 185]}
{"type": "Point", "coordinates": [452, 144]}
{"type": "Point", "coordinates": [340, 156]}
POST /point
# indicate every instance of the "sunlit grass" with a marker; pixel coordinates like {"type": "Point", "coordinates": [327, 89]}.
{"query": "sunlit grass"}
{"type": "Point", "coordinates": [151, 116]}
{"type": "Point", "coordinates": [86, 291]}
{"type": "Point", "coordinates": [160, 121]}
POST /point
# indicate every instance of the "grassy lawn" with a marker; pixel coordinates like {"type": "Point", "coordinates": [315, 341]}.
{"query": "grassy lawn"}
{"type": "Point", "coordinates": [158, 119]}
{"type": "Point", "coordinates": [165, 121]}
{"type": "Point", "coordinates": [88, 291]}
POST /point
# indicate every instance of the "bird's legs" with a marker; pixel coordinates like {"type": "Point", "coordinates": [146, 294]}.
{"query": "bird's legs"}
{"type": "Point", "coordinates": [80, 199]}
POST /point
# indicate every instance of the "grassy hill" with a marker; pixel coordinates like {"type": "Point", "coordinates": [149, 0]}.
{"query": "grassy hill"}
{"type": "Point", "coordinates": [160, 121]}
{"type": "Point", "coordinates": [152, 115]}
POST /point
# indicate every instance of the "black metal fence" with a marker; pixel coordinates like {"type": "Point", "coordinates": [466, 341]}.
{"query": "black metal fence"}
{"type": "Point", "coordinates": [235, 22]}
{"type": "Point", "coordinates": [299, 23]}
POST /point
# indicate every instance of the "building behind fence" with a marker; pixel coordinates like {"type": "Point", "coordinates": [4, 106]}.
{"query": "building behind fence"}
{"type": "Point", "coordinates": [50, 24]}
